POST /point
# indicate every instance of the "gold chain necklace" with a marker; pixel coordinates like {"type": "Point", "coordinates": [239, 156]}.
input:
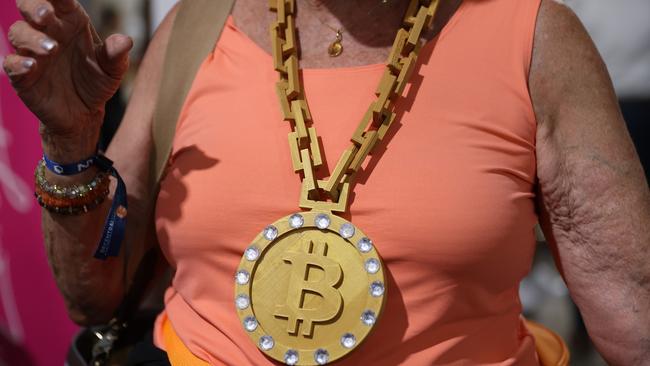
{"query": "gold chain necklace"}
{"type": "Point", "coordinates": [311, 286]}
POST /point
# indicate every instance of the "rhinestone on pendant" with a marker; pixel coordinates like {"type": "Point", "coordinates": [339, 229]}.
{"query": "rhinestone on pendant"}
{"type": "Point", "coordinates": [242, 277]}
{"type": "Point", "coordinates": [364, 245]}
{"type": "Point", "coordinates": [250, 323]}
{"type": "Point", "coordinates": [348, 340]}
{"type": "Point", "coordinates": [270, 232]}
{"type": "Point", "coordinates": [321, 356]}
{"type": "Point", "coordinates": [296, 221]}
{"type": "Point", "coordinates": [376, 289]}
{"type": "Point", "coordinates": [322, 221]}
{"type": "Point", "coordinates": [372, 266]}
{"type": "Point", "coordinates": [291, 357]}
{"type": "Point", "coordinates": [266, 342]}
{"type": "Point", "coordinates": [347, 230]}
{"type": "Point", "coordinates": [368, 317]}
{"type": "Point", "coordinates": [242, 302]}
{"type": "Point", "coordinates": [252, 253]}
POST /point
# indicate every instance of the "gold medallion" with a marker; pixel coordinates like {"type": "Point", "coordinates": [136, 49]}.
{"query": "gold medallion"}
{"type": "Point", "coordinates": [309, 288]}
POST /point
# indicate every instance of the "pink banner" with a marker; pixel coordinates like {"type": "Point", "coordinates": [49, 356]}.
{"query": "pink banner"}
{"type": "Point", "coordinates": [34, 328]}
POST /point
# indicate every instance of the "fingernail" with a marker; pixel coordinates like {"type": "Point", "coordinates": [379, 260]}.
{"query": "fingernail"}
{"type": "Point", "coordinates": [41, 11]}
{"type": "Point", "coordinates": [48, 44]}
{"type": "Point", "coordinates": [28, 64]}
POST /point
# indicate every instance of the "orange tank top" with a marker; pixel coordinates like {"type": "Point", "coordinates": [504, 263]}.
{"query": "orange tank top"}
{"type": "Point", "coordinates": [447, 198]}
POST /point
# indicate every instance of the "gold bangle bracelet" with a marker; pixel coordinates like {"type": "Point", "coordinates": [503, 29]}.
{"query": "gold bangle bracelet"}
{"type": "Point", "coordinates": [72, 199]}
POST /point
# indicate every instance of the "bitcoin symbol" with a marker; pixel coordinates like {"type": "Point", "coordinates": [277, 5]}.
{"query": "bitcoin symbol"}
{"type": "Point", "coordinates": [296, 310]}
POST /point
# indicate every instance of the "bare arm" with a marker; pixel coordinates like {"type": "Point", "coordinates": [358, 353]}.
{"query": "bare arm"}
{"type": "Point", "coordinates": [92, 289]}
{"type": "Point", "coordinates": [594, 201]}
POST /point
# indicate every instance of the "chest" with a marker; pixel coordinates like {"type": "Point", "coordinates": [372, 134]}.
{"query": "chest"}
{"type": "Point", "coordinates": [450, 184]}
{"type": "Point", "coordinates": [449, 187]}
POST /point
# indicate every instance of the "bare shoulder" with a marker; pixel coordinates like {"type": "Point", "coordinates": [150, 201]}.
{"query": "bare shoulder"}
{"type": "Point", "coordinates": [566, 66]}
{"type": "Point", "coordinates": [585, 158]}
{"type": "Point", "coordinates": [578, 117]}
{"type": "Point", "coordinates": [580, 129]}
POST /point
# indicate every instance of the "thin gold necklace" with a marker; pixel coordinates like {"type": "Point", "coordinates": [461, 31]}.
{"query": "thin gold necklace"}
{"type": "Point", "coordinates": [336, 47]}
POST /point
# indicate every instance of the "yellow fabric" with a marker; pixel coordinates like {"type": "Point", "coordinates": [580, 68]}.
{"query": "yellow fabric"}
{"type": "Point", "coordinates": [177, 352]}
{"type": "Point", "coordinates": [551, 349]}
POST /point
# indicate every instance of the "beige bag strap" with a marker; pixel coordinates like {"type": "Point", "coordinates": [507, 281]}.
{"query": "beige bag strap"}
{"type": "Point", "coordinates": [195, 32]}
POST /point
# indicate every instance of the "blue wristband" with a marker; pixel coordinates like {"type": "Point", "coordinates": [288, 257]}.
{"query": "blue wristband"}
{"type": "Point", "coordinates": [69, 169]}
{"type": "Point", "coordinates": [115, 226]}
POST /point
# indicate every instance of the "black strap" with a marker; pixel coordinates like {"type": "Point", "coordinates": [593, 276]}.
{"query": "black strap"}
{"type": "Point", "coordinates": [141, 280]}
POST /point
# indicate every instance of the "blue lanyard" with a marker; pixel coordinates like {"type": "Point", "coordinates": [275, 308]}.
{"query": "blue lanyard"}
{"type": "Point", "coordinates": [115, 226]}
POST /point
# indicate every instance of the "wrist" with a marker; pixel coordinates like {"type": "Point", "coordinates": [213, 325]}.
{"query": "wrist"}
{"type": "Point", "coordinates": [69, 147]}
{"type": "Point", "coordinates": [66, 147]}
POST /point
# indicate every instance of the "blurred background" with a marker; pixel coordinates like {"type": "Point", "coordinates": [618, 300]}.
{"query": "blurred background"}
{"type": "Point", "coordinates": [34, 329]}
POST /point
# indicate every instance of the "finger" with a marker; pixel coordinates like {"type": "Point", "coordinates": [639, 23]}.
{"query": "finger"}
{"type": "Point", "coordinates": [113, 56]}
{"type": "Point", "coordinates": [61, 19]}
{"type": "Point", "coordinates": [67, 6]}
{"type": "Point", "coordinates": [97, 40]}
{"type": "Point", "coordinates": [19, 69]}
{"type": "Point", "coordinates": [29, 41]}
{"type": "Point", "coordinates": [36, 12]}
{"type": "Point", "coordinates": [74, 19]}
{"type": "Point", "coordinates": [40, 15]}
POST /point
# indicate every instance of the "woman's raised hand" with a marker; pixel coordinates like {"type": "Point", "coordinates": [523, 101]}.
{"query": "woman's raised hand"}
{"type": "Point", "coordinates": [62, 70]}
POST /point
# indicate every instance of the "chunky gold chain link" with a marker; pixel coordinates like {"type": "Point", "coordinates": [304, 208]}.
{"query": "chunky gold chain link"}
{"type": "Point", "coordinates": [332, 194]}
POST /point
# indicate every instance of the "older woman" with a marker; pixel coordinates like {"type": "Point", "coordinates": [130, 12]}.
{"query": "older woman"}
{"type": "Point", "coordinates": [508, 117]}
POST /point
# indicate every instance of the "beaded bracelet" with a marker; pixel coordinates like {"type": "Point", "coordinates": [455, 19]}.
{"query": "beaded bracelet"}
{"type": "Point", "coordinates": [71, 210]}
{"type": "Point", "coordinates": [80, 198]}
{"type": "Point", "coordinates": [74, 199]}
{"type": "Point", "coordinates": [74, 207]}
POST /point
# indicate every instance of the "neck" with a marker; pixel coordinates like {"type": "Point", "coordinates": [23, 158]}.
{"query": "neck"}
{"type": "Point", "coordinates": [368, 27]}
{"type": "Point", "coordinates": [370, 22]}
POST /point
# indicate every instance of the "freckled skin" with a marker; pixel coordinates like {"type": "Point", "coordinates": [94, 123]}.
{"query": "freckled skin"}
{"type": "Point", "coordinates": [593, 198]}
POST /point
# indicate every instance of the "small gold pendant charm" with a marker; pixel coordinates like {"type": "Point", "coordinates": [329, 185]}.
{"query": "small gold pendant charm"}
{"type": "Point", "coordinates": [336, 47]}
{"type": "Point", "coordinates": [309, 288]}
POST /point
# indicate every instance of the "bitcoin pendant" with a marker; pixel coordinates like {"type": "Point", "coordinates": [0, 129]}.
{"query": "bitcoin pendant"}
{"type": "Point", "coordinates": [309, 288]}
